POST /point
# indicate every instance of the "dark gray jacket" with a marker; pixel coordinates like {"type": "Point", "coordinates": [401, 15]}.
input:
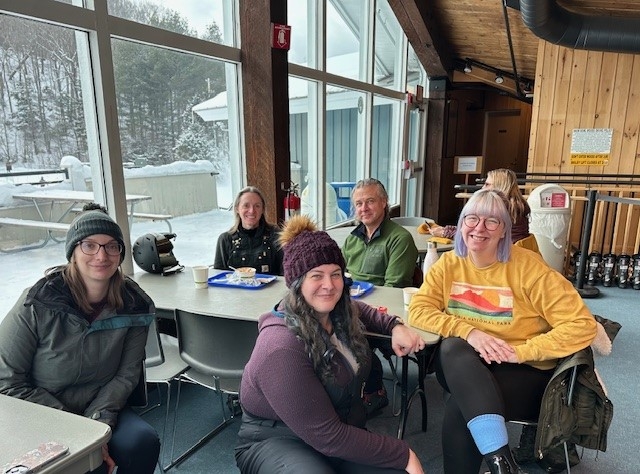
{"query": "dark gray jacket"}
{"type": "Point", "coordinates": [586, 421]}
{"type": "Point", "coordinates": [51, 355]}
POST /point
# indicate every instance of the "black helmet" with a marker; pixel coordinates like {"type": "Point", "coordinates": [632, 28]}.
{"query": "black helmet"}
{"type": "Point", "coordinates": [154, 253]}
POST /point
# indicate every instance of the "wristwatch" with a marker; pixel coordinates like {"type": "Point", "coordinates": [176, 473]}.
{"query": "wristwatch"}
{"type": "Point", "coordinates": [395, 322]}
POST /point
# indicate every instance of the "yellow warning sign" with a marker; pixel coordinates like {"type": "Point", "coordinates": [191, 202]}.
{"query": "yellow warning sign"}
{"type": "Point", "coordinates": [590, 159]}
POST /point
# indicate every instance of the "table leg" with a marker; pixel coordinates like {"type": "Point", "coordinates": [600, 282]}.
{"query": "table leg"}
{"type": "Point", "coordinates": [48, 235]}
{"type": "Point", "coordinates": [64, 214]}
{"type": "Point", "coordinates": [405, 400]}
{"type": "Point", "coordinates": [403, 397]}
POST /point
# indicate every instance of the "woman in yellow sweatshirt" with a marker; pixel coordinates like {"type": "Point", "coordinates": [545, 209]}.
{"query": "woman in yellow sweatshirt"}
{"type": "Point", "coordinates": [505, 317]}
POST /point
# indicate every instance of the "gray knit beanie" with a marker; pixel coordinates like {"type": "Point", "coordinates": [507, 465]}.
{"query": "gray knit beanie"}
{"type": "Point", "coordinates": [91, 223]}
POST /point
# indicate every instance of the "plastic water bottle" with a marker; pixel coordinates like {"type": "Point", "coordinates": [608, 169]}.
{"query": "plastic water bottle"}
{"type": "Point", "coordinates": [431, 257]}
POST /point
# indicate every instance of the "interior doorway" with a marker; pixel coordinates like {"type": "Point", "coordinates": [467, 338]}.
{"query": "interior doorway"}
{"type": "Point", "coordinates": [501, 142]}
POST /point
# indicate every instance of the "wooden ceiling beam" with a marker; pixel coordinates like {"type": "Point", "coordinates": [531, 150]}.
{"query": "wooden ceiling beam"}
{"type": "Point", "coordinates": [423, 35]}
{"type": "Point", "coordinates": [486, 77]}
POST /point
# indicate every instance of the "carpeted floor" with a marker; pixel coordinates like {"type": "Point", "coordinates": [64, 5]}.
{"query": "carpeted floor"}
{"type": "Point", "coordinates": [200, 409]}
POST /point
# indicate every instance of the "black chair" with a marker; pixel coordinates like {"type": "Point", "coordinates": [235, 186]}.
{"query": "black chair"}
{"type": "Point", "coordinates": [216, 349]}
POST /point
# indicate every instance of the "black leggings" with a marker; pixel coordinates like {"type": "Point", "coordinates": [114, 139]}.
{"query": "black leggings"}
{"type": "Point", "coordinates": [474, 388]}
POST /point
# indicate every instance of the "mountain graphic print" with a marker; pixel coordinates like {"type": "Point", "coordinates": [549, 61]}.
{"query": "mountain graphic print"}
{"type": "Point", "coordinates": [491, 304]}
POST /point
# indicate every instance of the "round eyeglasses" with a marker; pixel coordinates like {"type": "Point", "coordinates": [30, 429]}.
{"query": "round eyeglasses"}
{"type": "Point", "coordinates": [472, 221]}
{"type": "Point", "coordinates": [92, 248]}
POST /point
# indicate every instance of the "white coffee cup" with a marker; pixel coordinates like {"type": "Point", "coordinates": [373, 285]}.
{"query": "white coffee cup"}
{"type": "Point", "coordinates": [200, 276]}
{"type": "Point", "coordinates": [407, 294]}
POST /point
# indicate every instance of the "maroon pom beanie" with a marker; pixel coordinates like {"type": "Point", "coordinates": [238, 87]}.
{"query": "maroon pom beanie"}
{"type": "Point", "coordinates": [309, 250]}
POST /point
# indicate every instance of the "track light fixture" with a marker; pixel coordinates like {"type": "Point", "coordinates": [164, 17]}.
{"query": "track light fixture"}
{"type": "Point", "coordinates": [467, 67]}
{"type": "Point", "coordinates": [499, 79]}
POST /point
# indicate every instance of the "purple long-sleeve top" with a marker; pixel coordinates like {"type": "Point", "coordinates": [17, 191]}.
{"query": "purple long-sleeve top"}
{"type": "Point", "coordinates": [279, 383]}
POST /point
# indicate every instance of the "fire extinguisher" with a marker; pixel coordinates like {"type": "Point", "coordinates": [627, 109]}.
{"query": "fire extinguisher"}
{"type": "Point", "coordinates": [291, 202]}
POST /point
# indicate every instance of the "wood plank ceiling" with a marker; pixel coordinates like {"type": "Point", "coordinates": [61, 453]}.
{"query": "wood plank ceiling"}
{"type": "Point", "coordinates": [446, 33]}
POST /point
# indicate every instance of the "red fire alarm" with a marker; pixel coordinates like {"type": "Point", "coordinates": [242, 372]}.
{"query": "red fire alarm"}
{"type": "Point", "coordinates": [280, 36]}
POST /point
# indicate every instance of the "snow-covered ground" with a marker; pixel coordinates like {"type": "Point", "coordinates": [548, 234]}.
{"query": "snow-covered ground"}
{"type": "Point", "coordinates": [196, 235]}
{"type": "Point", "coordinates": [195, 244]}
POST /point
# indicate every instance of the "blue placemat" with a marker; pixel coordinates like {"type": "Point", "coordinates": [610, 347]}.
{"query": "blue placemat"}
{"type": "Point", "coordinates": [221, 279]}
{"type": "Point", "coordinates": [360, 288]}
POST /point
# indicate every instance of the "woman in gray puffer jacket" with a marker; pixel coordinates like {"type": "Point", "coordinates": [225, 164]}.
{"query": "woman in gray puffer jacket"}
{"type": "Point", "coordinates": [75, 341]}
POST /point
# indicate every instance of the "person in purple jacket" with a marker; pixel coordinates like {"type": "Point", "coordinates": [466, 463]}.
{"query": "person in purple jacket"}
{"type": "Point", "coordinates": [301, 389]}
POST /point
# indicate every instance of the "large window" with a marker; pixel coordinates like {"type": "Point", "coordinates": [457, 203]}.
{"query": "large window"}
{"type": "Point", "coordinates": [211, 20]}
{"type": "Point", "coordinates": [389, 48]}
{"type": "Point", "coordinates": [162, 71]}
{"type": "Point", "coordinates": [354, 120]}
{"type": "Point", "coordinates": [43, 108]}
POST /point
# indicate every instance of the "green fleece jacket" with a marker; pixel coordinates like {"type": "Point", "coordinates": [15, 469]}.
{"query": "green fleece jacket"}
{"type": "Point", "coordinates": [388, 259]}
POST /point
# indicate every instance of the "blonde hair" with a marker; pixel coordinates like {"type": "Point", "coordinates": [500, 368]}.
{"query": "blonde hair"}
{"type": "Point", "coordinates": [236, 204]}
{"type": "Point", "coordinates": [506, 181]}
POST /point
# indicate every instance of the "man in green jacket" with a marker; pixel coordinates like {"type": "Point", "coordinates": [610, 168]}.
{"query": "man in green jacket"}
{"type": "Point", "coordinates": [378, 250]}
{"type": "Point", "coordinates": [381, 252]}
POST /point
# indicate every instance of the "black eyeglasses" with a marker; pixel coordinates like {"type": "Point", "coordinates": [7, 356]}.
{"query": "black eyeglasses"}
{"type": "Point", "coordinates": [472, 221]}
{"type": "Point", "coordinates": [92, 248]}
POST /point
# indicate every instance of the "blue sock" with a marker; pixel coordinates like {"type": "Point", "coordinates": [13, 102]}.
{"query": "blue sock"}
{"type": "Point", "coordinates": [489, 432]}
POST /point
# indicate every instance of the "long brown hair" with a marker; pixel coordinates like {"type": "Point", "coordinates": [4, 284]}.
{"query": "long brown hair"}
{"type": "Point", "coordinates": [78, 289]}
{"type": "Point", "coordinates": [300, 317]}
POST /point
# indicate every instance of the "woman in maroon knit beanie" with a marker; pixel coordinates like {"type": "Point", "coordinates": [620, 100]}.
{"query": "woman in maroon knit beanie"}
{"type": "Point", "coordinates": [301, 389]}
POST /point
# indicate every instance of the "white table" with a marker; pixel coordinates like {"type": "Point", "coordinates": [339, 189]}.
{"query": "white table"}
{"type": "Point", "coordinates": [178, 291]}
{"type": "Point", "coordinates": [26, 425]}
{"type": "Point", "coordinates": [71, 198]}
{"type": "Point", "coordinates": [340, 234]}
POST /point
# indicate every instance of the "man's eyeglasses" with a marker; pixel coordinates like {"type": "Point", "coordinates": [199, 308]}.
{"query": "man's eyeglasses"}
{"type": "Point", "coordinates": [472, 221]}
{"type": "Point", "coordinates": [92, 248]}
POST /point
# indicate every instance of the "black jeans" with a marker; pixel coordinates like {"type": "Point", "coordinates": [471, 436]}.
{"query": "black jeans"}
{"type": "Point", "coordinates": [474, 388]}
{"type": "Point", "coordinates": [134, 445]}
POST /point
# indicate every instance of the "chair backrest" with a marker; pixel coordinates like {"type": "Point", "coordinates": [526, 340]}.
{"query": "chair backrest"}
{"type": "Point", "coordinates": [153, 348]}
{"type": "Point", "coordinates": [409, 221]}
{"type": "Point", "coordinates": [215, 345]}
{"type": "Point", "coordinates": [529, 243]}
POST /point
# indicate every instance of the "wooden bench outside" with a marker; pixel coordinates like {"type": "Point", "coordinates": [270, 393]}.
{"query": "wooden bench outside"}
{"type": "Point", "coordinates": [33, 224]}
{"type": "Point", "coordinates": [154, 217]}
{"type": "Point", "coordinates": [11, 221]}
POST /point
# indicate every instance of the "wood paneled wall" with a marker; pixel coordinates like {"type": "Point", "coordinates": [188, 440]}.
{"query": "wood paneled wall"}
{"type": "Point", "coordinates": [584, 89]}
{"type": "Point", "coordinates": [589, 89]}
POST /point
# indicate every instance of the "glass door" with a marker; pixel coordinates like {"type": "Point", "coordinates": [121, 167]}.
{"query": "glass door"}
{"type": "Point", "coordinates": [413, 164]}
